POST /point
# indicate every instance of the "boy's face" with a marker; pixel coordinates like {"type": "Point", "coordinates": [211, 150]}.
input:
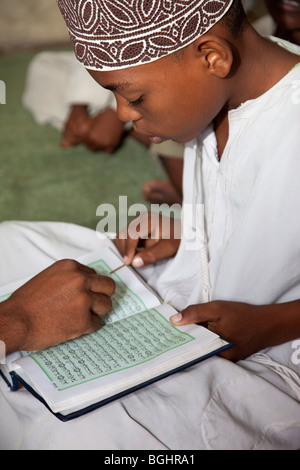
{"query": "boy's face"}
{"type": "Point", "coordinates": [286, 13]}
{"type": "Point", "coordinates": [172, 98]}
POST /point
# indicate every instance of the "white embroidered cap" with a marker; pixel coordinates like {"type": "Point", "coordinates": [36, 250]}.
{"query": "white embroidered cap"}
{"type": "Point", "coordinates": [116, 34]}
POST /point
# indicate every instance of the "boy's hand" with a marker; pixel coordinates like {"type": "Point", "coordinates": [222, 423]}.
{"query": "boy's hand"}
{"type": "Point", "coordinates": [250, 328]}
{"type": "Point", "coordinates": [156, 235]}
{"type": "Point", "coordinates": [63, 302]}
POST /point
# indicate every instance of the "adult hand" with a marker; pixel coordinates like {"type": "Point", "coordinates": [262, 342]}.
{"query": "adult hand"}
{"type": "Point", "coordinates": [149, 238]}
{"type": "Point", "coordinates": [63, 302]}
{"type": "Point", "coordinates": [250, 328]}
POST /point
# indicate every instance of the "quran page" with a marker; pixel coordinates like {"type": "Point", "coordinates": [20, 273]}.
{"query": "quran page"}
{"type": "Point", "coordinates": [120, 356]}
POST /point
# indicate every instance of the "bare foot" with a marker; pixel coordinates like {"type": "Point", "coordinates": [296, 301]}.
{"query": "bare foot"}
{"type": "Point", "coordinates": [161, 191]}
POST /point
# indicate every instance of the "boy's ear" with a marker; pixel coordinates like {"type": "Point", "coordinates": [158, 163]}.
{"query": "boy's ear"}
{"type": "Point", "coordinates": [215, 53]}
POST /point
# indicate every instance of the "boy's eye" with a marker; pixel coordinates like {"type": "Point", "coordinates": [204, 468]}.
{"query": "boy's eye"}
{"type": "Point", "coordinates": [136, 102]}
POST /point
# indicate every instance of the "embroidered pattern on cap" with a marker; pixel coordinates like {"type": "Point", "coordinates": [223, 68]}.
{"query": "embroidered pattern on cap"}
{"type": "Point", "coordinates": [113, 34]}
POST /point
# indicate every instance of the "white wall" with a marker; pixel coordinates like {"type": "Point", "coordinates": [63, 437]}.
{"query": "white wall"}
{"type": "Point", "coordinates": [27, 23]}
{"type": "Point", "coordinates": [24, 23]}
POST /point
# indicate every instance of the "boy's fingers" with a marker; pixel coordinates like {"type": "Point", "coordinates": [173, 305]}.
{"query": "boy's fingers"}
{"type": "Point", "coordinates": [126, 246]}
{"type": "Point", "coordinates": [145, 230]}
{"type": "Point", "coordinates": [161, 250]}
{"type": "Point", "coordinates": [192, 314]}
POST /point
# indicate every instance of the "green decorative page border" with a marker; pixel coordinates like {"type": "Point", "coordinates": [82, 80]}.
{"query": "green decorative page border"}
{"type": "Point", "coordinates": [188, 339]}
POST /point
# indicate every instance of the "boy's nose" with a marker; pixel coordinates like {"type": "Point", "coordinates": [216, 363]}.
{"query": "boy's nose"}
{"type": "Point", "coordinates": [125, 111]}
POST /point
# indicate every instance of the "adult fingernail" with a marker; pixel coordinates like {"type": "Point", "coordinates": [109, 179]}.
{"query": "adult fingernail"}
{"type": "Point", "coordinates": [126, 260]}
{"type": "Point", "coordinates": [176, 318]}
{"type": "Point", "coordinates": [138, 262]}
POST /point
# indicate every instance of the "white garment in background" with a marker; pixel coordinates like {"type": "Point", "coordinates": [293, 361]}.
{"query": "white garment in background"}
{"type": "Point", "coordinates": [56, 81]}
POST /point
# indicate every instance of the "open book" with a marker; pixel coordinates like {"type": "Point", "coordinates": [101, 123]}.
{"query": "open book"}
{"type": "Point", "coordinates": [136, 346]}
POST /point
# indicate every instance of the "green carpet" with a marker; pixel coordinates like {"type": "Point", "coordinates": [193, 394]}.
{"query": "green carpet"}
{"type": "Point", "coordinates": [41, 181]}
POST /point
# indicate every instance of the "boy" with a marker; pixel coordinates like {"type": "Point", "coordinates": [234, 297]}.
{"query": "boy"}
{"type": "Point", "coordinates": [218, 74]}
{"type": "Point", "coordinates": [235, 94]}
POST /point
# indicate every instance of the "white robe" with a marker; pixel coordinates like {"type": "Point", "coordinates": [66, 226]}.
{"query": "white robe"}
{"type": "Point", "coordinates": [56, 81]}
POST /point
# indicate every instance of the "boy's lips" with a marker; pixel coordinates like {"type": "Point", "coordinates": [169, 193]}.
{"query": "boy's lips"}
{"type": "Point", "coordinates": [156, 140]}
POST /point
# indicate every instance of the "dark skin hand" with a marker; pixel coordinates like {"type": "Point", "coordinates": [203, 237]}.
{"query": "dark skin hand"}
{"type": "Point", "coordinates": [158, 236]}
{"type": "Point", "coordinates": [250, 328]}
{"type": "Point", "coordinates": [63, 302]}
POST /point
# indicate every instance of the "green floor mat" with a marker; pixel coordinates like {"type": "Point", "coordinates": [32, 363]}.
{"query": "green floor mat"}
{"type": "Point", "coordinates": [41, 181]}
